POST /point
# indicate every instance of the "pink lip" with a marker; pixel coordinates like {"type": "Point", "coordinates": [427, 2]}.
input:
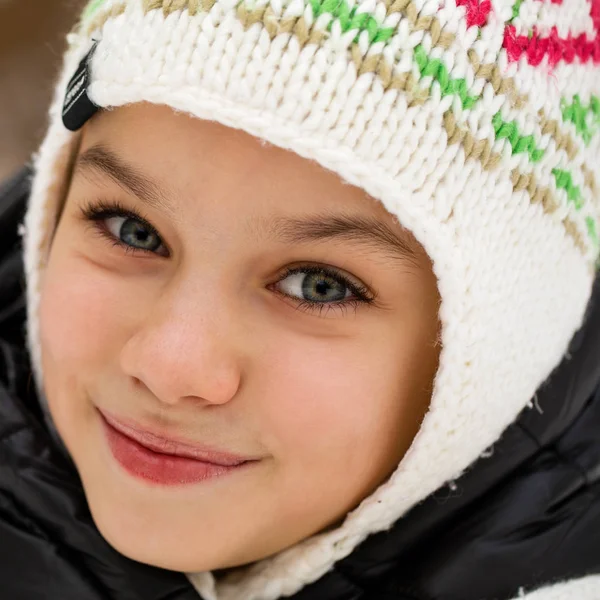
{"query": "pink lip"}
{"type": "Point", "coordinates": [165, 461]}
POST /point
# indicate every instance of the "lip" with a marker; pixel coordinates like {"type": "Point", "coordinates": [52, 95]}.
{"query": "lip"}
{"type": "Point", "coordinates": [162, 460]}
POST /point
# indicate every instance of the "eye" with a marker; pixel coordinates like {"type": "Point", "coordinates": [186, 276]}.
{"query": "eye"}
{"type": "Point", "coordinates": [123, 227]}
{"type": "Point", "coordinates": [133, 233]}
{"type": "Point", "coordinates": [318, 287]}
{"type": "Point", "coordinates": [315, 287]}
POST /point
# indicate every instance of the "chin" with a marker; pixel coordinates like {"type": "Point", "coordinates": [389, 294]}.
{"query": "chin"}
{"type": "Point", "coordinates": [163, 549]}
{"type": "Point", "coordinates": [152, 551]}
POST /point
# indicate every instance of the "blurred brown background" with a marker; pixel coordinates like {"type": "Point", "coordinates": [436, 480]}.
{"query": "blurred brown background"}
{"type": "Point", "coordinates": [32, 40]}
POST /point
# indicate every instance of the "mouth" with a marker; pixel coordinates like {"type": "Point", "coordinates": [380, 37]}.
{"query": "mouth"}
{"type": "Point", "coordinates": [165, 461]}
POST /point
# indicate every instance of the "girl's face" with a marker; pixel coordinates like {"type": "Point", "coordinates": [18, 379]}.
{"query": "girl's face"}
{"type": "Point", "coordinates": [209, 288]}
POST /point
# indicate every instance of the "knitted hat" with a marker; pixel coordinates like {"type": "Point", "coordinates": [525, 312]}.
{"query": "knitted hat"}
{"type": "Point", "coordinates": [476, 123]}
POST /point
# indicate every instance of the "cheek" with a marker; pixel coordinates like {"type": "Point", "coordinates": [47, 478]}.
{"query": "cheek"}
{"type": "Point", "coordinates": [77, 313]}
{"type": "Point", "coordinates": [329, 401]}
{"type": "Point", "coordinates": [78, 310]}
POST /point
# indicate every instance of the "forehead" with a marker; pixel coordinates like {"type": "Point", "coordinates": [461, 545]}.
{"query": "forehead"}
{"type": "Point", "coordinates": [199, 171]}
{"type": "Point", "coordinates": [188, 156]}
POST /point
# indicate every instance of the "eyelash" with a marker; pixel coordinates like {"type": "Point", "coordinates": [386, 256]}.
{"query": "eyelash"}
{"type": "Point", "coordinates": [96, 212]}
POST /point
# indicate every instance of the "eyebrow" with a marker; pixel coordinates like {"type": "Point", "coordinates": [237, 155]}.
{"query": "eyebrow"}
{"type": "Point", "coordinates": [101, 160]}
{"type": "Point", "coordinates": [367, 231]}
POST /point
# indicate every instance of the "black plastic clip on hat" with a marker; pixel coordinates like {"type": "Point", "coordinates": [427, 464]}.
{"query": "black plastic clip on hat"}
{"type": "Point", "coordinates": [77, 107]}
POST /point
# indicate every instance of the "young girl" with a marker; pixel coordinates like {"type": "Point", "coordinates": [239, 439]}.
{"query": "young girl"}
{"type": "Point", "coordinates": [310, 306]}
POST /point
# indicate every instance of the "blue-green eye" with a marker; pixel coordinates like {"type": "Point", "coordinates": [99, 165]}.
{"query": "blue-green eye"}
{"type": "Point", "coordinates": [134, 233]}
{"type": "Point", "coordinates": [320, 287]}
{"type": "Point", "coordinates": [315, 287]}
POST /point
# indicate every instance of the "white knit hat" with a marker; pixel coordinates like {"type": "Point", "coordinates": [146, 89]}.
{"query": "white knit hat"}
{"type": "Point", "coordinates": [474, 122]}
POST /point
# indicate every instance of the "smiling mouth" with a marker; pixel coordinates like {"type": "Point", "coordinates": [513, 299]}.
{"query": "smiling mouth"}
{"type": "Point", "coordinates": [164, 461]}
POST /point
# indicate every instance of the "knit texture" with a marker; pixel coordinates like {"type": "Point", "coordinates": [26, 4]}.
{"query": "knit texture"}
{"type": "Point", "coordinates": [585, 588]}
{"type": "Point", "coordinates": [473, 122]}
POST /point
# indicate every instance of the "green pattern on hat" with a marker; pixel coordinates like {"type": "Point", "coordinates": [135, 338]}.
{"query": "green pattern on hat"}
{"type": "Point", "coordinates": [92, 8]}
{"type": "Point", "coordinates": [585, 118]}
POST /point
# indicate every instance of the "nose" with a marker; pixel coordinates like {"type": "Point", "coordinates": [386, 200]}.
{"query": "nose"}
{"type": "Point", "coordinates": [185, 349]}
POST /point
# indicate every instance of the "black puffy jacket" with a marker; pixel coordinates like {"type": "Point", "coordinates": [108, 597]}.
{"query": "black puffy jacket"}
{"type": "Point", "coordinates": [526, 516]}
